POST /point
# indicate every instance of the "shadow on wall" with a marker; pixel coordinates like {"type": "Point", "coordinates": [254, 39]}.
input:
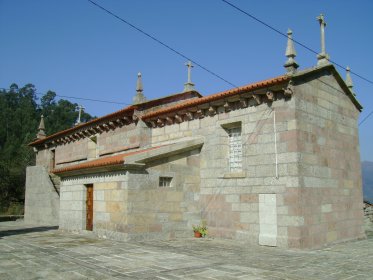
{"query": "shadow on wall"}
{"type": "Point", "coordinates": [25, 230]}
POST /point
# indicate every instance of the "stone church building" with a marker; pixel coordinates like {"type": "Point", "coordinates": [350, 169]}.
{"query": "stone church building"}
{"type": "Point", "coordinates": [274, 163]}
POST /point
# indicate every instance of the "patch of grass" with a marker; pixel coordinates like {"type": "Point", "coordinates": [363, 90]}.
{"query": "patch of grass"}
{"type": "Point", "coordinates": [14, 208]}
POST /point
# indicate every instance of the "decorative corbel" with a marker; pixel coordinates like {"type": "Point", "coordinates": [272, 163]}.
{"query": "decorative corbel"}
{"type": "Point", "coordinates": [104, 127]}
{"type": "Point", "coordinates": [119, 122]}
{"type": "Point", "coordinates": [178, 119]}
{"type": "Point", "coordinates": [189, 116]}
{"type": "Point", "coordinates": [270, 95]}
{"type": "Point", "coordinates": [289, 90]}
{"type": "Point", "coordinates": [160, 122]}
{"type": "Point", "coordinates": [77, 136]}
{"type": "Point", "coordinates": [153, 124]}
{"type": "Point", "coordinates": [87, 133]}
{"type": "Point", "coordinates": [112, 125]}
{"type": "Point", "coordinates": [200, 114]}
{"type": "Point", "coordinates": [135, 118]}
{"type": "Point", "coordinates": [126, 120]}
{"type": "Point", "coordinates": [169, 121]}
{"type": "Point", "coordinates": [100, 128]}
{"type": "Point", "coordinates": [257, 99]}
{"type": "Point", "coordinates": [212, 111]}
{"type": "Point", "coordinates": [227, 106]}
{"type": "Point", "coordinates": [243, 102]}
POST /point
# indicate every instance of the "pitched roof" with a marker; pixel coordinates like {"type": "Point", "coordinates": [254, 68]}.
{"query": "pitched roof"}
{"type": "Point", "coordinates": [122, 112]}
{"type": "Point", "coordinates": [219, 95]}
{"type": "Point", "coordinates": [115, 160]}
{"type": "Point", "coordinates": [127, 111]}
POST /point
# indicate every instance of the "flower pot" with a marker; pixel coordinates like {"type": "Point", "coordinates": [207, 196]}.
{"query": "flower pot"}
{"type": "Point", "coordinates": [197, 234]}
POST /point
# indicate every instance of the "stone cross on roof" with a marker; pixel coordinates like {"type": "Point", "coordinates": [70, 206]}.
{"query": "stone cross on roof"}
{"type": "Point", "coordinates": [322, 57]}
{"type": "Point", "coordinates": [189, 86]}
{"type": "Point", "coordinates": [291, 65]}
{"type": "Point", "coordinates": [139, 97]}
{"type": "Point", "coordinates": [80, 108]}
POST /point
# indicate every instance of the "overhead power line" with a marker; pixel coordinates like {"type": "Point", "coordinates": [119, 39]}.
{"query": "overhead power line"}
{"type": "Point", "coordinates": [73, 97]}
{"type": "Point", "coordinates": [161, 43]}
{"type": "Point", "coordinates": [295, 41]}
{"type": "Point", "coordinates": [367, 117]}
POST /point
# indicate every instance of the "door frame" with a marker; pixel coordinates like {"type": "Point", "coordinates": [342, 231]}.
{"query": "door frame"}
{"type": "Point", "coordinates": [89, 207]}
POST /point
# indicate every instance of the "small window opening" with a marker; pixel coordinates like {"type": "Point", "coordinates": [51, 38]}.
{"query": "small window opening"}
{"type": "Point", "coordinates": [165, 182]}
{"type": "Point", "coordinates": [235, 149]}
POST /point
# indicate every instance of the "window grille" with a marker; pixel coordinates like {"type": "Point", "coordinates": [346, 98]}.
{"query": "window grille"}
{"type": "Point", "coordinates": [235, 149]}
{"type": "Point", "coordinates": [165, 182]}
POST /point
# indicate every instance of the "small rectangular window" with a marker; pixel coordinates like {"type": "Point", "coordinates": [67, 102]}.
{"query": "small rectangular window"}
{"type": "Point", "coordinates": [235, 149]}
{"type": "Point", "coordinates": [165, 182]}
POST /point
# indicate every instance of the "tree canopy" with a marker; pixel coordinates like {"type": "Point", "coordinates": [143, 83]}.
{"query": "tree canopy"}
{"type": "Point", "coordinates": [20, 113]}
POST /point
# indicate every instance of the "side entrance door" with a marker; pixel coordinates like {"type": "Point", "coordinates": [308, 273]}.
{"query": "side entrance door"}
{"type": "Point", "coordinates": [89, 207]}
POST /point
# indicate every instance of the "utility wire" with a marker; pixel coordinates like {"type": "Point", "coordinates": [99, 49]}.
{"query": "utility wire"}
{"type": "Point", "coordinates": [160, 42]}
{"type": "Point", "coordinates": [72, 97]}
{"type": "Point", "coordinates": [295, 41]}
{"type": "Point", "coordinates": [370, 114]}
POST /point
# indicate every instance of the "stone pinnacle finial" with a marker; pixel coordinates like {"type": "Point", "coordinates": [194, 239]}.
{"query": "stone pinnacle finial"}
{"type": "Point", "coordinates": [291, 65]}
{"type": "Point", "coordinates": [41, 129]}
{"type": "Point", "coordinates": [189, 86]}
{"type": "Point", "coordinates": [348, 80]}
{"type": "Point", "coordinates": [139, 97]}
{"type": "Point", "coordinates": [322, 57]}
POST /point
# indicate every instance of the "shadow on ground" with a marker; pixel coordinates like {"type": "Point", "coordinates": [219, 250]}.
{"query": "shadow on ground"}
{"type": "Point", "coordinates": [26, 230]}
{"type": "Point", "coordinates": [7, 218]}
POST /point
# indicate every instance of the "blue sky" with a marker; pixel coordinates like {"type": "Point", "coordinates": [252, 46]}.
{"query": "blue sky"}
{"type": "Point", "coordinates": [76, 49]}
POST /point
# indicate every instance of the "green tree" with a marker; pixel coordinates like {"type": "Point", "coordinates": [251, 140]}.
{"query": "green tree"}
{"type": "Point", "coordinates": [19, 118]}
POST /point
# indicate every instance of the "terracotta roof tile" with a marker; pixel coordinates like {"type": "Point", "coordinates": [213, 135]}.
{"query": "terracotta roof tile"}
{"type": "Point", "coordinates": [87, 124]}
{"type": "Point", "coordinates": [216, 96]}
{"type": "Point", "coordinates": [114, 160]}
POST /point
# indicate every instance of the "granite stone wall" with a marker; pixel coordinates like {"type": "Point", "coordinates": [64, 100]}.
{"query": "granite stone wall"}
{"type": "Point", "coordinates": [41, 199]}
{"type": "Point", "coordinates": [330, 195]}
{"type": "Point", "coordinates": [130, 205]}
{"type": "Point", "coordinates": [229, 202]}
{"type": "Point", "coordinates": [300, 174]}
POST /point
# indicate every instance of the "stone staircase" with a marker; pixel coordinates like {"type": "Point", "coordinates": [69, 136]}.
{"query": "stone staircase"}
{"type": "Point", "coordinates": [56, 182]}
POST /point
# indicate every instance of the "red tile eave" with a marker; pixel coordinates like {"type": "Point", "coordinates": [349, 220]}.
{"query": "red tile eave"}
{"type": "Point", "coordinates": [91, 122]}
{"type": "Point", "coordinates": [217, 96]}
{"type": "Point", "coordinates": [114, 160]}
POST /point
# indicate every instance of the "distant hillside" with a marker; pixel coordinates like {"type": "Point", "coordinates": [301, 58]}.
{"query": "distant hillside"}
{"type": "Point", "coordinates": [367, 170]}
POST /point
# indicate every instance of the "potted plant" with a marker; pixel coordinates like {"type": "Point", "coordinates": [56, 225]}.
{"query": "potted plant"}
{"type": "Point", "coordinates": [200, 230]}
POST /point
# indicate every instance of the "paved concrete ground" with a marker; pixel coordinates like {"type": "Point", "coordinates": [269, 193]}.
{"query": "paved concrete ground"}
{"type": "Point", "coordinates": [28, 252]}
